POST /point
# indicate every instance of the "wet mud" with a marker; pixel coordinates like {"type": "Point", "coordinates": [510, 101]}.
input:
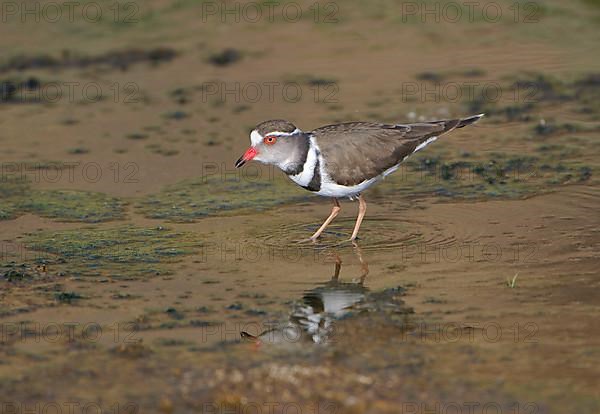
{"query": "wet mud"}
{"type": "Point", "coordinates": [139, 268]}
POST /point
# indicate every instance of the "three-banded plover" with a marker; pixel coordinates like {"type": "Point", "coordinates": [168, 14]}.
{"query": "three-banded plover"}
{"type": "Point", "coordinates": [342, 160]}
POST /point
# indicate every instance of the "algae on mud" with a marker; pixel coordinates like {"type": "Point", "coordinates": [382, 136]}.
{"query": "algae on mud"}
{"type": "Point", "coordinates": [70, 205]}
{"type": "Point", "coordinates": [556, 128]}
{"type": "Point", "coordinates": [120, 252]}
{"type": "Point", "coordinates": [19, 198]}
{"type": "Point", "coordinates": [521, 95]}
{"type": "Point", "coordinates": [202, 197]}
{"type": "Point", "coordinates": [474, 177]}
{"type": "Point", "coordinates": [27, 287]}
{"type": "Point", "coordinates": [11, 189]}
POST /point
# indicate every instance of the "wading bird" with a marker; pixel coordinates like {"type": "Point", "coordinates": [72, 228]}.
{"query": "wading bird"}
{"type": "Point", "coordinates": [342, 160]}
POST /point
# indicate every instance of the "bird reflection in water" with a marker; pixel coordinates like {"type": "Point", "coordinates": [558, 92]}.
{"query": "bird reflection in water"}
{"type": "Point", "coordinates": [313, 319]}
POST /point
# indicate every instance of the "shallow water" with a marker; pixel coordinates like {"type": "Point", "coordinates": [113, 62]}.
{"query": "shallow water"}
{"type": "Point", "coordinates": [139, 270]}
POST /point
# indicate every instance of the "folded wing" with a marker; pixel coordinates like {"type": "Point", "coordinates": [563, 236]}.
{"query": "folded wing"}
{"type": "Point", "coordinates": [357, 151]}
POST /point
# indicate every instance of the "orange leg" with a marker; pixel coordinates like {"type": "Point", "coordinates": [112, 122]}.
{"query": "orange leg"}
{"type": "Point", "coordinates": [362, 209]}
{"type": "Point", "coordinates": [334, 212]}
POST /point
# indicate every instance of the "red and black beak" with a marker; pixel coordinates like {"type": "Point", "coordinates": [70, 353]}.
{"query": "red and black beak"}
{"type": "Point", "coordinates": [248, 155]}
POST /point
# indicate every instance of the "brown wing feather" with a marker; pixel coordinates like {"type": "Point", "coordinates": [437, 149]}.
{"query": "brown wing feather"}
{"type": "Point", "coordinates": [357, 151]}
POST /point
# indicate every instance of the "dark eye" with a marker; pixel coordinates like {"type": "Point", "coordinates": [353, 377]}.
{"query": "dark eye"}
{"type": "Point", "coordinates": [270, 140]}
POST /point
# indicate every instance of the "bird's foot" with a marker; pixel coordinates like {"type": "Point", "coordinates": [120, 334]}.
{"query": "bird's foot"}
{"type": "Point", "coordinates": [311, 239]}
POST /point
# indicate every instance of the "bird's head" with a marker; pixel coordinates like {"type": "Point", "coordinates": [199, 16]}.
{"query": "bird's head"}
{"type": "Point", "coordinates": [276, 142]}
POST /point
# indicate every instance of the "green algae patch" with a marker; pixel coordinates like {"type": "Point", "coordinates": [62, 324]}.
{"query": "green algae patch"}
{"type": "Point", "coordinates": [70, 205]}
{"type": "Point", "coordinates": [538, 134]}
{"type": "Point", "coordinates": [18, 198]}
{"type": "Point", "coordinates": [502, 175]}
{"type": "Point", "coordinates": [202, 197]}
{"type": "Point", "coordinates": [11, 189]}
{"type": "Point", "coordinates": [7, 212]}
{"type": "Point", "coordinates": [124, 252]}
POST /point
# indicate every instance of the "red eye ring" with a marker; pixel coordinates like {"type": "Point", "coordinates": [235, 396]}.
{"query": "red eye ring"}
{"type": "Point", "coordinates": [270, 140]}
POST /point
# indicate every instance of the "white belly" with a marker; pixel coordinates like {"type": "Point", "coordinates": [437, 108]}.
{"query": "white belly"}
{"type": "Point", "coordinates": [331, 189]}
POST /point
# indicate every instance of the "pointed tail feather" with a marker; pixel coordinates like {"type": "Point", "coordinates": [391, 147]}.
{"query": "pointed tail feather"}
{"type": "Point", "coordinates": [470, 120]}
{"type": "Point", "coordinates": [452, 124]}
